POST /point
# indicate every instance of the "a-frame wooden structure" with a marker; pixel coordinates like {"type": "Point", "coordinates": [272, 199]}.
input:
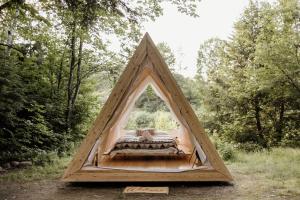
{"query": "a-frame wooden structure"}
{"type": "Point", "coordinates": [145, 61]}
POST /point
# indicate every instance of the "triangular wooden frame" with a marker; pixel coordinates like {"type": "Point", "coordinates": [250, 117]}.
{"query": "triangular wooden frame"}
{"type": "Point", "coordinates": [145, 52]}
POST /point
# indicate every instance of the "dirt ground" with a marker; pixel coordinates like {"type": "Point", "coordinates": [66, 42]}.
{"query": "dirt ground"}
{"type": "Point", "coordinates": [244, 187]}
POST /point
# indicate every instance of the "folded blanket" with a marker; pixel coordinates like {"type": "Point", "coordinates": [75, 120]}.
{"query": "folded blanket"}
{"type": "Point", "coordinates": [140, 142]}
{"type": "Point", "coordinates": [146, 152]}
{"type": "Point", "coordinates": [159, 144]}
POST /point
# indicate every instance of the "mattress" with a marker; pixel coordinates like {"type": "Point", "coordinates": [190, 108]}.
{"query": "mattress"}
{"type": "Point", "coordinates": [160, 144]}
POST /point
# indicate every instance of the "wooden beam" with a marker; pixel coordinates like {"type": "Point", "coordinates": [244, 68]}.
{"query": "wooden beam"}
{"type": "Point", "coordinates": [185, 109]}
{"type": "Point", "coordinates": [108, 109]}
{"type": "Point", "coordinates": [146, 61]}
{"type": "Point", "coordinates": [127, 176]}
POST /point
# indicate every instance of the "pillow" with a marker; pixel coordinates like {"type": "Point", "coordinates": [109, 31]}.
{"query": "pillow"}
{"type": "Point", "coordinates": [140, 132]}
{"type": "Point", "coordinates": [145, 136]}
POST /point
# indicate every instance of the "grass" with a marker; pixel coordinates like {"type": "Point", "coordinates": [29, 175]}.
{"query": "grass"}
{"type": "Point", "coordinates": [52, 170]}
{"type": "Point", "coordinates": [274, 173]}
{"type": "Point", "coordinates": [275, 170]}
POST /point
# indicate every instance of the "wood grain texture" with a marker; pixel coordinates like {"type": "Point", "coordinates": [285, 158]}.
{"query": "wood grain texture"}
{"type": "Point", "coordinates": [145, 55]}
{"type": "Point", "coordinates": [185, 109]}
{"type": "Point", "coordinates": [146, 190]}
{"type": "Point", "coordinates": [147, 164]}
{"type": "Point", "coordinates": [108, 109]}
{"type": "Point", "coordinates": [133, 176]}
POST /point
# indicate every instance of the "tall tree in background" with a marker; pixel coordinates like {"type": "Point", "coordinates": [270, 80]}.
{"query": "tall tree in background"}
{"type": "Point", "coordinates": [84, 17]}
{"type": "Point", "coordinates": [53, 53]}
{"type": "Point", "coordinates": [253, 79]}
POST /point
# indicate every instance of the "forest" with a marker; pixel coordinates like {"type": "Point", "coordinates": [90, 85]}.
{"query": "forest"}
{"type": "Point", "coordinates": [58, 68]}
{"type": "Point", "coordinates": [59, 63]}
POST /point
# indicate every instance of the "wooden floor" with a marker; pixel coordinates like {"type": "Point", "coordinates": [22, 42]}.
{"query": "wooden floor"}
{"type": "Point", "coordinates": [146, 164]}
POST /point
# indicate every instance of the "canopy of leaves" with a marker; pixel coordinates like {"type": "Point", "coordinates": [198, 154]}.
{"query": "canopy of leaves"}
{"type": "Point", "coordinates": [55, 63]}
{"type": "Point", "coordinates": [251, 82]}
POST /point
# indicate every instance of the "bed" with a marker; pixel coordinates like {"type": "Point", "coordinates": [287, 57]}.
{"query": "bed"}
{"type": "Point", "coordinates": [146, 143]}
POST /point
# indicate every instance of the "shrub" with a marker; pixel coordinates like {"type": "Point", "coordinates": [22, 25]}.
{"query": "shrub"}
{"type": "Point", "coordinates": [249, 147]}
{"type": "Point", "coordinates": [163, 121]}
{"type": "Point", "coordinates": [144, 120]}
{"type": "Point", "coordinates": [226, 152]}
{"type": "Point", "coordinates": [159, 120]}
{"type": "Point", "coordinates": [225, 149]}
{"type": "Point", "coordinates": [42, 157]}
{"type": "Point", "coordinates": [140, 119]}
{"type": "Point", "coordinates": [291, 139]}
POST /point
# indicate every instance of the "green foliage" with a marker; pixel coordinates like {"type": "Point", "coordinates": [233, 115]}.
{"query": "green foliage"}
{"type": "Point", "coordinates": [160, 120]}
{"type": "Point", "coordinates": [167, 54]}
{"type": "Point", "coordinates": [284, 162]}
{"type": "Point", "coordinates": [250, 83]}
{"type": "Point", "coordinates": [275, 168]}
{"type": "Point", "coordinates": [226, 152]}
{"type": "Point", "coordinates": [150, 112]}
{"type": "Point", "coordinates": [52, 167]}
{"type": "Point", "coordinates": [144, 120]}
{"type": "Point", "coordinates": [55, 59]}
{"type": "Point", "coordinates": [249, 147]}
{"type": "Point", "coordinates": [44, 158]}
{"type": "Point", "coordinates": [150, 102]}
{"type": "Point", "coordinates": [164, 121]}
{"type": "Point", "coordinates": [272, 174]}
{"type": "Point", "coordinates": [225, 149]}
{"type": "Point", "coordinates": [291, 139]}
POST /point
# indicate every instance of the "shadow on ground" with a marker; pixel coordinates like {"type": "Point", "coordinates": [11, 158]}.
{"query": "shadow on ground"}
{"type": "Point", "coordinates": [147, 184]}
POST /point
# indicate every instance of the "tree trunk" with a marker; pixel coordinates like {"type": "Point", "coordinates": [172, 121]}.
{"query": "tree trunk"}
{"type": "Point", "coordinates": [290, 80]}
{"type": "Point", "coordinates": [258, 121]}
{"type": "Point", "coordinates": [10, 31]}
{"type": "Point", "coordinates": [60, 72]}
{"type": "Point", "coordinates": [78, 80]}
{"type": "Point", "coordinates": [257, 114]}
{"type": "Point", "coordinates": [279, 124]}
{"type": "Point", "coordinates": [71, 76]}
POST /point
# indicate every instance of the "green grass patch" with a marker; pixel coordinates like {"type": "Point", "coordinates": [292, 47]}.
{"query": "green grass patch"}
{"type": "Point", "coordinates": [53, 170]}
{"type": "Point", "coordinates": [273, 173]}
{"type": "Point", "coordinates": [278, 168]}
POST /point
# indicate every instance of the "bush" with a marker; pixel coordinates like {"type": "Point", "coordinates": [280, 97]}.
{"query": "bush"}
{"type": "Point", "coordinates": [140, 119]}
{"type": "Point", "coordinates": [249, 147]}
{"type": "Point", "coordinates": [163, 121]}
{"type": "Point", "coordinates": [144, 120]}
{"type": "Point", "coordinates": [42, 158]}
{"type": "Point", "coordinates": [291, 139]}
{"type": "Point", "coordinates": [225, 149]}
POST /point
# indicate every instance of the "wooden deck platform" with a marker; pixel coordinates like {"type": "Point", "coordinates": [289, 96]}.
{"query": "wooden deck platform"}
{"type": "Point", "coordinates": [147, 164]}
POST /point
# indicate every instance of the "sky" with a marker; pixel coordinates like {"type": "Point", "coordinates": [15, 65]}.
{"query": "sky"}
{"type": "Point", "coordinates": [184, 34]}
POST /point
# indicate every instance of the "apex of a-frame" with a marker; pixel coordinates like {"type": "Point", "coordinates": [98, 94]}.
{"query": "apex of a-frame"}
{"type": "Point", "coordinates": [153, 53]}
{"type": "Point", "coordinates": [147, 36]}
{"type": "Point", "coordinates": [148, 42]}
{"type": "Point", "coordinates": [144, 48]}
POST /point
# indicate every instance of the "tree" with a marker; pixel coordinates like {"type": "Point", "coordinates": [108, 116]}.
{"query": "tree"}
{"type": "Point", "coordinates": [209, 56]}
{"type": "Point", "coordinates": [54, 57]}
{"type": "Point", "coordinates": [252, 78]}
{"type": "Point", "coordinates": [168, 55]}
